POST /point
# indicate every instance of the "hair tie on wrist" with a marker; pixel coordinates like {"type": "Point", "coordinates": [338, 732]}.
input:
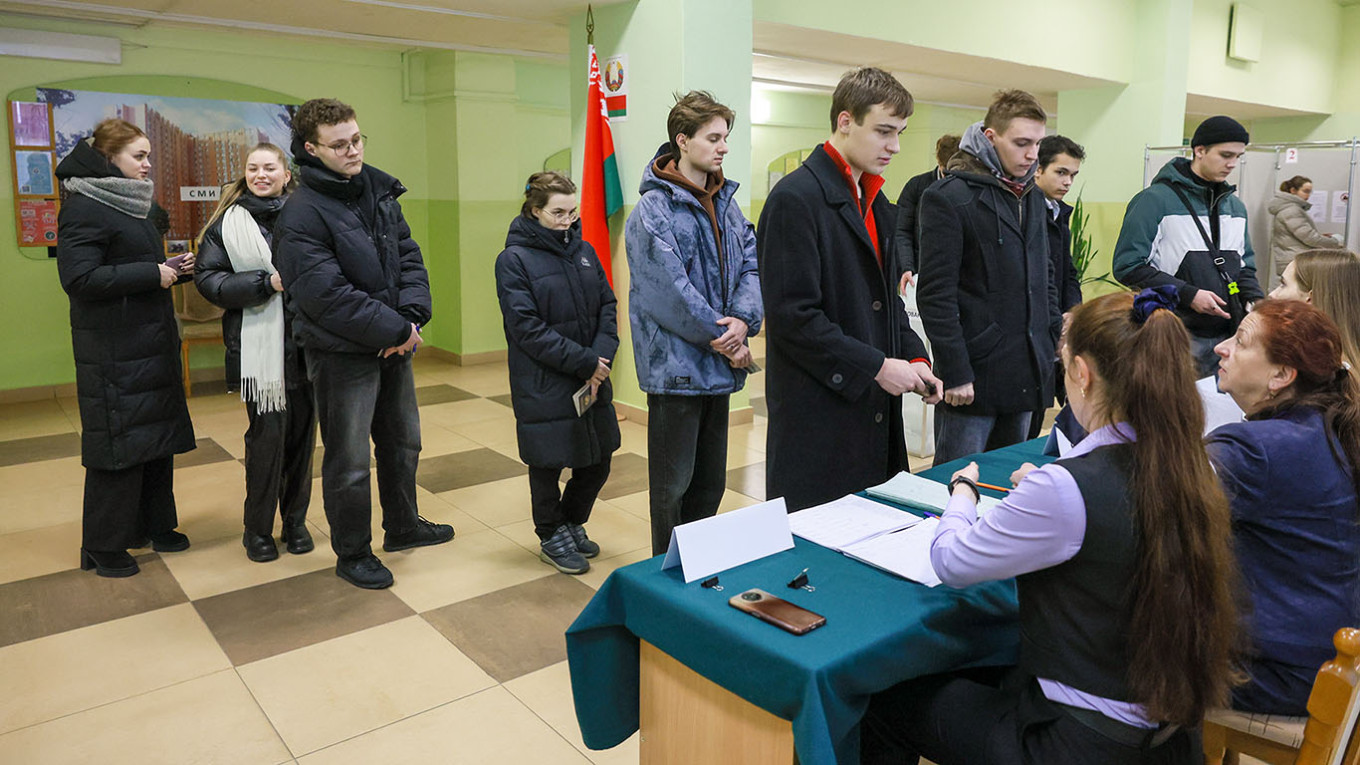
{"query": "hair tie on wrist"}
{"type": "Point", "coordinates": [1153, 299]}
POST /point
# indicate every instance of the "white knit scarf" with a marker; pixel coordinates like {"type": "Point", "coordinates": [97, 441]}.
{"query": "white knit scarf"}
{"type": "Point", "coordinates": [262, 325]}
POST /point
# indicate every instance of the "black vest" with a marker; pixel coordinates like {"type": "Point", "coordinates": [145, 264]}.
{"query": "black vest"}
{"type": "Point", "coordinates": [1074, 617]}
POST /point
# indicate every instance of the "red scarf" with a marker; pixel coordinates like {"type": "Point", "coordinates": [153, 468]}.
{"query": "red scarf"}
{"type": "Point", "coordinates": [871, 184]}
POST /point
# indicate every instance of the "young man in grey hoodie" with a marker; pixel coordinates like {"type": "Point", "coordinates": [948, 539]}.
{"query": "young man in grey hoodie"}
{"type": "Point", "coordinates": [986, 290]}
{"type": "Point", "coordinates": [693, 300]}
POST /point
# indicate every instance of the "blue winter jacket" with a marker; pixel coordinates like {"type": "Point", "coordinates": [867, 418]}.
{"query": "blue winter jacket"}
{"type": "Point", "coordinates": [679, 288]}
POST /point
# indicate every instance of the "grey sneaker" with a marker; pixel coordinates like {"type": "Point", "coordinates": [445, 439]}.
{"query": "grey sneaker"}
{"type": "Point", "coordinates": [583, 543]}
{"type": "Point", "coordinates": [559, 551]}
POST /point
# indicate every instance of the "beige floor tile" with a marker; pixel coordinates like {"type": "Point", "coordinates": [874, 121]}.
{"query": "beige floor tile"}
{"type": "Point", "coordinates": [494, 503]}
{"type": "Point", "coordinates": [742, 457]}
{"type": "Point", "coordinates": [81, 669]}
{"type": "Point", "coordinates": [209, 720]}
{"type": "Point", "coordinates": [33, 418]}
{"type": "Point", "coordinates": [497, 432]}
{"type": "Point", "coordinates": [638, 504]}
{"type": "Point", "coordinates": [456, 413]}
{"type": "Point", "coordinates": [436, 440]}
{"type": "Point", "coordinates": [209, 499]}
{"type": "Point", "coordinates": [489, 728]}
{"type": "Point", "coordinates": [548, 693]}
{"type": "Point", "coordinates": [332, 691]}
{"type": "Point", "coordinates": [470, 565]}
{"type": "Point", "coordinates": [615, 530]}
{"type": "Point", "coordinates": [748, 436]}
{"type": "Point", "coordinates": [40, 475]}
{"type": "Point", "coordinates": [633, 437]}
{"type": "Point", "coordinates": [40, 507]}
{"type": "Point", "coordinates": [40, 551]}
{"type": "Point", "coordinates": [601, 568]}
{"type": "Point", "coordinates": [735, 500]}
{"type": "Point", "coordinates": [216, 566]}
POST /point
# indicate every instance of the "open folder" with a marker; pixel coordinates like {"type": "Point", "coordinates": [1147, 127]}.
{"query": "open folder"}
{"type": "Point", "coordinates": [921, 493]}
{"type": "Point", "coordinates": [871, 532]}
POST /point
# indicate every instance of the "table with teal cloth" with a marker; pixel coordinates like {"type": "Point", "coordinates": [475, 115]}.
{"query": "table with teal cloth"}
{"type": "Point", "coordinates": [880, 630]}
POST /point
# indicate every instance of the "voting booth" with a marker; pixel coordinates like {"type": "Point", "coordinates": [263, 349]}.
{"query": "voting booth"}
{"type": "Point", "coordinates": [1331, 165]}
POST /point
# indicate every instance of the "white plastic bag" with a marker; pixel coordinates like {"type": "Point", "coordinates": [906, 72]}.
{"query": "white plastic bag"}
{"type": "Point", "coordinates": [917, 417]}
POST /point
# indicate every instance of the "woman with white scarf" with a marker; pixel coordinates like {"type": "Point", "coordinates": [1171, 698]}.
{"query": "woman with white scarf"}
{"type": "Point", "coordinates": [134, 420]}
{"type": "Point", "coordinates": [236, 272]}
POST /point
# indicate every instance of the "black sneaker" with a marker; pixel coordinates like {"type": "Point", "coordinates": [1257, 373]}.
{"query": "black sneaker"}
{"type": "Point", "coordinates": [368, 573]}
{"type": "Point", "coordinates": [583, 543]}
{"type": "Point", "coordinates": [298, 539]}
{"type": "Point", "coordinates": [260, 547]}
{"type": "Point", "coordinates": [559, 551]}
{"type": "Point", "coordinates": [425, 533]}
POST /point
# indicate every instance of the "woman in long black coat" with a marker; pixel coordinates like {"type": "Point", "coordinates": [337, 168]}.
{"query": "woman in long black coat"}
{"type": "Point", "coordinates": [127, 349]}
{"type": "Point", "coordinates": [561, 327]}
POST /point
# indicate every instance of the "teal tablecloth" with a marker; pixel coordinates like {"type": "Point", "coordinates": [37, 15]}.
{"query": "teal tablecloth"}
{"type": "Point", "coordinates": [880, 630]}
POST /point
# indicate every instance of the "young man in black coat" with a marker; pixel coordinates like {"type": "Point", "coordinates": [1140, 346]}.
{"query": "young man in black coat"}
{"type": "Point", "coordinates": [358, 294]}
{"type": "Point", "coordinates": [840, 352]}
{"type": "Point", "coordinates": [907, 243]}
{"type": "Point", "coordinates": [986, 292]}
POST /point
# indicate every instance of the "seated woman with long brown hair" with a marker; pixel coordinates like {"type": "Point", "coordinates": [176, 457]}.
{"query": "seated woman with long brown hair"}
{"type": "Point", "coordinates": [1123, 566]}
{"type": "Point", "coordinates": [1290, 473]}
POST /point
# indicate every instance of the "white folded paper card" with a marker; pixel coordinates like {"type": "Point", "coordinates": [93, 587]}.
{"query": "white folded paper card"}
{"type": "Point", "coordinates": [703, 548]}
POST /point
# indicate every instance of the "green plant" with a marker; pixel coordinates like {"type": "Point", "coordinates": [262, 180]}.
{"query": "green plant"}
{"type": "Point", "coordinates": [1083, 253]}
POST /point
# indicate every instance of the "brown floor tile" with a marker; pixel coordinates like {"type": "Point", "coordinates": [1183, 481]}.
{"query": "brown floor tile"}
{"type": "Point", "coordinates": [749, 480]}
{"type": "Point", "coordinates": [447, 472]}
{"type": "Point", "coordinates": [69, 600]}
{"type": "Point", "coordinates": [627, 475]}
{"type": "Point", "coordinates": [517, 630]}
{"type": "Point", "coordinates": [269, 619]}
{"type": "Point", "coordinates": [441, 394]}
{"type": "Point", "coordinates": [207, 451]}
{"type": "Point", "coordinates": [39, 448]}
{"type": "Point", "coordinates": [503, 399]}
{"type": "Point", "coordinates": [210, 388]}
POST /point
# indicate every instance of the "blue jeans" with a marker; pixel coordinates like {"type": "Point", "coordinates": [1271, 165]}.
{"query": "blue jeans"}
{"type": "Point", "coordinates": [358, 396]}
{"type": "Point", "coordinates": [959, 435]}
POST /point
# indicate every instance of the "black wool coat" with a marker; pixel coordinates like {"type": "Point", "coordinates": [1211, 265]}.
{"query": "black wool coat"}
{"type": "Point", "coordinates": [987, 296]}
{"type": "Point", "coordinates": [906, 244]}
{"type": "Point", "coordinates": [129, 384]}
{"type": "Point", "coordinates": [220, 283]}
{"type": "Point", "coordinates": [832, 317]}
{"type": "Point", "coordinates": [560, 318]}
{"type": "Point", "coordinates": [354, 278]}
{"type": "Point", "coordinates": [1060, 250]}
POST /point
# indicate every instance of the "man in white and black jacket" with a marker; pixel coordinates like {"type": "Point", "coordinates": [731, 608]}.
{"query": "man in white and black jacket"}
{"type": "Point", "coordinates": [358, 293]}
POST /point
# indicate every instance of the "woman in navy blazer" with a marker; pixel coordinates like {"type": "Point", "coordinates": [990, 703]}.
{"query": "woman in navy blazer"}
{"type": "Point", "coordinates": [1289, 472]}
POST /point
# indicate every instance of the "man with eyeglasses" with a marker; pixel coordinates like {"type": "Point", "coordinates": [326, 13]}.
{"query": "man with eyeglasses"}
{"type": "Point", "coordinates": [356, 286]}
{"type": "Point", "coordinates": [694, 298]}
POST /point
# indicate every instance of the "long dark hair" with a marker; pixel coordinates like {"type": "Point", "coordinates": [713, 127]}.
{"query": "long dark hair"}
{"type": "Point", "coordinates": [1297, 335]}
{"type": "Point", "coordinates": [1181, 598]}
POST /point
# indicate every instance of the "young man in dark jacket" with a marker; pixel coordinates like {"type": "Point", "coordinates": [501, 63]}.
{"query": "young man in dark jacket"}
{"type": "Point", "coordinates": [1161, 243]}
{"type": "Point", "coordinates": [358, 293]}
{"type": "Point", "coordinates": [840, 350]}
{"type": "Point", "coordinates": [694, 299]}
{"type": "Point", "coordinates": [907, 244]}
{"type": "Point", "coordinates": [986, 293]}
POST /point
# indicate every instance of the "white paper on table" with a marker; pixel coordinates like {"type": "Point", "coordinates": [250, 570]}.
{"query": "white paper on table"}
{"type": "Point", "coordinates": [850, 519]}
{"type": "Point", "coordinates": [922, 493]}
{"type": "Point", "coordinates": [703, 548]}
{"type": "Point", "coordinates": [905, 553]}
{"type": "Point", "coordinates": [1318, 210]}
{"type": "Point", "coordinates": [1219, 408]}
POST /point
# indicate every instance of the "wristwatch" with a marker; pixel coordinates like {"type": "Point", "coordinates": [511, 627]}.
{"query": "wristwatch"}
{"type": "Point", "coordinates": [970, 483]}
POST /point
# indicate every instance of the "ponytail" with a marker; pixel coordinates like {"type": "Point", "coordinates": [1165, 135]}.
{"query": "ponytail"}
{"type": "Point", "coordinates": [1182, 614]}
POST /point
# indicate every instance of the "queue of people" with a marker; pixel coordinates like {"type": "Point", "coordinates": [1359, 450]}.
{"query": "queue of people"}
{"type": "Point", "coordinates": [1250, 533]}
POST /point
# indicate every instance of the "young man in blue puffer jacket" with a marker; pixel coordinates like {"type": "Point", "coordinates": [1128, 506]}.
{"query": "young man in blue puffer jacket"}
{"type": "Point", "coordinates": [694, 299]}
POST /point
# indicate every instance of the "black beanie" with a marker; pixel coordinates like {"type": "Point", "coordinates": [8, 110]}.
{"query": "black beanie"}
{"type": "Point", "coordinates": [1219, 129]}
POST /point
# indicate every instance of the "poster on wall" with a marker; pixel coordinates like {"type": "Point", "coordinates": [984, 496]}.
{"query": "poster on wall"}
{"type": "Point", "coordinates": [195, 142]}
{"type": "Point", "coordinates": [37, 222]}
{"type": "Point", "coordinates": [29, 125]}
{"type": "Point", "coordinates": [34, 173]}
{"type": "Point", "coordinates": [615, 79]}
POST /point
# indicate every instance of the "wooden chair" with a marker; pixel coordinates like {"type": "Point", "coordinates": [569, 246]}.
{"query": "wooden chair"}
{"type": "Point", "coordinates": [200, 323]}
{"type": "Point", "coordinates": [1326, 736]}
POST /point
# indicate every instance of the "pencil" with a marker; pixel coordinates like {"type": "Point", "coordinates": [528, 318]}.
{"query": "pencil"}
{"type": "Point", "coordinates": [990, 486]}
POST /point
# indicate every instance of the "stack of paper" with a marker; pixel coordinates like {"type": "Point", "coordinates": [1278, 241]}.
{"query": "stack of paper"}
{"type": "Point", "coordinates": [905, 553]}
{"type": "Point", "coordinates": [868, 531]}
{"type": "Point", "coordinates": [921, 493]}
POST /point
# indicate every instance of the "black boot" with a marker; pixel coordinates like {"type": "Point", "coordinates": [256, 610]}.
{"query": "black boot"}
{"type": "Point", "coordinates": [169, 541]}
{"type": "Point", "coordinates": [115, 563]}
{"type": "Point", "coordinates": [298, 539]}
{"type": "Point", "coordinates": [260, 547]}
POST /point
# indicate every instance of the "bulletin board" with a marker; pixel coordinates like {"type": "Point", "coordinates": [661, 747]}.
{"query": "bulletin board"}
{"type": "Point", "coordinates": [32, 150]}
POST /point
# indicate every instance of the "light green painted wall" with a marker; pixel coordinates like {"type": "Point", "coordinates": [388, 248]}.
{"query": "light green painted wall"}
{"type": "Point", "coordinates": [1344, 121]}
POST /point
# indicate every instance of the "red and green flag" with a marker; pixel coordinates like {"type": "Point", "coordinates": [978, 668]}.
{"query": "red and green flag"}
{"type": "Point", "coordinates": [601, 194]}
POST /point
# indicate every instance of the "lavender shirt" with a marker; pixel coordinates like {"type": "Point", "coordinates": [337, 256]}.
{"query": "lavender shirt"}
{"type": "Point", "coordinates": [1040, 524]}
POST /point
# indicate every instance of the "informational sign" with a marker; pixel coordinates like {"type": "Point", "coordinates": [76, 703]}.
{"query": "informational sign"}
{"type": "Point", "coordinates": [34, 174]}
{"type": "Point", "coordinates": [37, 222]}
{"type": "Point", "coordinates": [1340, 201]}
{"type": "Point", "coordinates": [1291, 155]}
{"type": "Point", "coordinates": [199, 193]}
{"type": "Point", "coordinates": [1318, 210]}
{"type": "Point", "coordinates": [31, 124]}
{"type": "Point", "coordinates": [615, 78]}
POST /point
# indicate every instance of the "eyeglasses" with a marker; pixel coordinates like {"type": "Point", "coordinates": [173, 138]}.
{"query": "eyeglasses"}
{"type": "Point", "coordinates": [343, 147]}
{"type": "Point", "coordinates": [566, 216]}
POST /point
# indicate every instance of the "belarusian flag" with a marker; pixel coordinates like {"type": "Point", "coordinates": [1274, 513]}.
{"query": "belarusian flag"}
{"type": "Point", "coordinates": [601, 194]}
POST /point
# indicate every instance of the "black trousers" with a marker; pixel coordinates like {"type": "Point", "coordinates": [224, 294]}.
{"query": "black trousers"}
{"type": "Point", "coordinates": [996, 717]}
{"type": "Point", "coordinates": [279, 448]}
{"type": "Point", "coordinates": [123, 507]}
{"type": "Point", "coordinates": [359, 396]}
{"type": "Point", "coordinates": [686, 461]}
{"type": "Point", "coordinates": [553, 506]}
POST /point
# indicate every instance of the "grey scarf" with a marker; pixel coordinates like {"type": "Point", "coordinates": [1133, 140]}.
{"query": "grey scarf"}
{"type": "Point", "coordinates": [975, 142]}
{"type": "Point", "coordinates": [126, 195]}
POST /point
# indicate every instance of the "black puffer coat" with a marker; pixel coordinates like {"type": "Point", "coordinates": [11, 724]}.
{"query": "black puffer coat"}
{"type": "Point", "coordinates": [225, 288]}
{"type": "Point", "coordinates": [123, 331]}
{"type": "Point", "coordinates": [560, 319]}
{"type": "Point", "coordinates": [354, 278]}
